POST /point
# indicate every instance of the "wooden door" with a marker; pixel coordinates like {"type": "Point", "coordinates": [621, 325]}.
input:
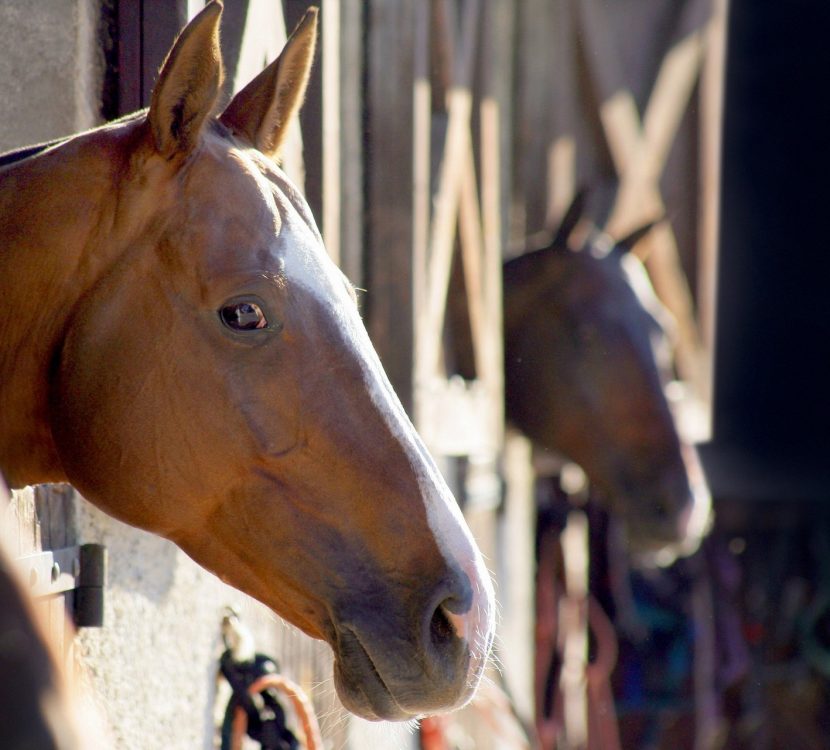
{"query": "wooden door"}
{"type": "Point", "coordinates": [437, 88]}
{"type": "Point", "coordinates": [625, 99]}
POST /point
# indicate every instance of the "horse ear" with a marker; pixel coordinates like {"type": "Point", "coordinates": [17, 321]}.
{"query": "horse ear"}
{"type": "Point", "coordinates": [188, 84]}
{"type": "Point", "coordinates": [262, 111]}
{"type": "Point", "coordinates": [572, 217]}
{"type": "Point", "coordinates": [627, 243]}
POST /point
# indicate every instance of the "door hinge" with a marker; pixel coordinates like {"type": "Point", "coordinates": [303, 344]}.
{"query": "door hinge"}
{"type": "Point", "coordinates": [78, 572]}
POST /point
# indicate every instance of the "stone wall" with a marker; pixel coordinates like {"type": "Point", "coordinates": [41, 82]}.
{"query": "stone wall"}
{"type": "Point", "coordinates": [152, 667]}
{"type": "Point", "coordinates": [50, 70]}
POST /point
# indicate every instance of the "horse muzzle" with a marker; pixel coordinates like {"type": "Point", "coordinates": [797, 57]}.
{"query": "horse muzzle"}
{"type": "Point", "coordinates": [396, 667]}
{"type": "Point", "coordinates": [683, 516]}
{"type": "Point", "coordinates": [660, 540]}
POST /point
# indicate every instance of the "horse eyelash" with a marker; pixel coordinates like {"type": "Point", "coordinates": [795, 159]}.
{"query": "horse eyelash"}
{"type": "Point", "coordinates": [278, 279]}
{"type": "Point", "coordinates": [358, 295]}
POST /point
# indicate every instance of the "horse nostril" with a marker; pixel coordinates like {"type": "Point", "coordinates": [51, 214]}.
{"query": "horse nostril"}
{"type": "Point", "coordinates": [441, 630]}
{"type": "Point", "coordinates": [445, 625]}
{"type": "Point", "coordinates": [455, 635]}
{"type": "Point", "coordinates": [661, 510]}
{"type": "Point", "coordinates": [447, 628]}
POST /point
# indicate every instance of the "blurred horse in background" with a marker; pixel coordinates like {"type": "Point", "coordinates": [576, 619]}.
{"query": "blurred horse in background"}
{"type": "Point", "coordinates": [587, 362]}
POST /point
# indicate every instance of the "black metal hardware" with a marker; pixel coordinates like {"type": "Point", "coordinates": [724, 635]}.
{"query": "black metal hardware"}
{"type": "Point", "coordinates": [80, 571]}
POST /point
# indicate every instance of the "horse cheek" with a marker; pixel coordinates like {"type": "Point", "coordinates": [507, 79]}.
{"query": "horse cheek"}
{"type": "Point", "coordinates": [119, 396]}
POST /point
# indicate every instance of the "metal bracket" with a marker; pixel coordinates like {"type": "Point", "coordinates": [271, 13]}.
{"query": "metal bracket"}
{"type": "Point", "coordinates": [80, 571]}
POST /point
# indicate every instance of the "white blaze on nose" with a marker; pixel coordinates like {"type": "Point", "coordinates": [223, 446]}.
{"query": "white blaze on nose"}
{"type": "Point", "coordinates": [308, 265]}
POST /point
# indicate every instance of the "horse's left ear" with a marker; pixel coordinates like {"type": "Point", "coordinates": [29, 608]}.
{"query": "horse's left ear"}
{"type": "Point", "coordinates": [262, 111]}
{"type": "Point", "coordinates": [572, 217]}
{"type": "Point", "coordinates": [188, 85]}
{"type": "Point", "coordinates": [627, 243]}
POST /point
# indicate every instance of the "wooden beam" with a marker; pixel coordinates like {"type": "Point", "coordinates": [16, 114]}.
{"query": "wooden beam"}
{"type": "Point", "coordinates": [351, 60]}
{"type": "Point", "coordinates": [332, 188]}
{"type": "Point", "coordinates": [389, 180]}
{"type": "Point", "coordinates": [129, 57]}
{"type": "Point", "coordinates": [497, 61]}
{"type": "Point", "coordinates": [421, 161]}
{"type": "Point", "coordinates": [711, 119]}
{"type": "Point", "coordinates": [456, 180]}
{"type": "Point", "coordinates": [442, 231]}
{"type": "Point", "coordinates": [639, 151]}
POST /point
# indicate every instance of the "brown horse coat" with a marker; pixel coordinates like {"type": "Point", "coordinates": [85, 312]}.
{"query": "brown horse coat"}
{"type": "Point", "coordinates": [179, 346]}
{"type": "Point", "coordinates": [586, 363]}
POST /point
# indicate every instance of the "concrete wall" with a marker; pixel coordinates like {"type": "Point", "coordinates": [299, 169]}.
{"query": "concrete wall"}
{"type": "Point", "coordinates": [152, 667]}
{"type": "Point", "coordinates": [50, 69]}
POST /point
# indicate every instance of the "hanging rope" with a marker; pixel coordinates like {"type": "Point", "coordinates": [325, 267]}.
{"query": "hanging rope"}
{"type": "Point", "coordinates": [313, 739]}
{"type": "Point", "coordinates": [260, 695]}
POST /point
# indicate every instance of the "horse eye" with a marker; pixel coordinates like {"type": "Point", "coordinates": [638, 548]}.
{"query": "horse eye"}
{"type": "Point", "coordinates": [243, 316]}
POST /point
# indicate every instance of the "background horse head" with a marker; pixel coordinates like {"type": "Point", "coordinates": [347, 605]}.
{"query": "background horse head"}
{"type": "Point", "coordinates": [180, 347]}
{"type": "Point", "coordinates": [587, 359]}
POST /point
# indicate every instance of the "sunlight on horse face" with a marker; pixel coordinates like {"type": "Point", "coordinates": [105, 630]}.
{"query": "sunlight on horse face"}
{"type": "Point", "coordinates": [587, 360]}
{"type": "Point", "coordinates": [217, 386]}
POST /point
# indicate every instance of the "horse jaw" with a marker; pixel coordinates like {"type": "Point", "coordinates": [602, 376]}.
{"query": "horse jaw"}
{"type": "Point", "coordinates": [687, 528]}
{"type": "Point", "coordinates": [697, 520]}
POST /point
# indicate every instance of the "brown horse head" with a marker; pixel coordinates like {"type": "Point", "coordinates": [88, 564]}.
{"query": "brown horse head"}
{"type": "Point", "coordinates": [587, 360]}
{"type": "Point", "coordinates": [181, 348]}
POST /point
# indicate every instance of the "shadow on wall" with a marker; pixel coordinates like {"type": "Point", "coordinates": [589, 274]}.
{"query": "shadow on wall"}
{"type": "Point", "coordinates": [138, 562]}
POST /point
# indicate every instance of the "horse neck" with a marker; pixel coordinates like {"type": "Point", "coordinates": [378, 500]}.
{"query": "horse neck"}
{"type": "Point", "coordinates": [54, 212]}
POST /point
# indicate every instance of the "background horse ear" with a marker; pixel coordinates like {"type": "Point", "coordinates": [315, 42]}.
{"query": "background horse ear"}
{"type": "Point", "coordinates": [572, 217]}
{"type": "Point", "coordinates": [188, 85]}
{"type": "Point", "coordinates": [262, 111]}
{"type": "Point", "coordinates": [627, 243]}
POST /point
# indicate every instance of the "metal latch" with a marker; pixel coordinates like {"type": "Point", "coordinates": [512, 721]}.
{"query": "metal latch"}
{"type": "Point", "coordinates": [80, 571]}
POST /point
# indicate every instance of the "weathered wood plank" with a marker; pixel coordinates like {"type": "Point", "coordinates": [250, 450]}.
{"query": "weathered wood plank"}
{"type": "Point", "coordinates": [389, 178]}
{"type": "Point", "coordinates": [495, 139]}
{"type": "Point", "coordinates": [711, 118]}
{"type": "Point", "coordinates": [55, 512]}
{"type": "Point", "coordinates": [640, 150]}
{"type": "Point", "coordinates": [540, 80]}
{"type": "Point", "coordinates": [342, 141]}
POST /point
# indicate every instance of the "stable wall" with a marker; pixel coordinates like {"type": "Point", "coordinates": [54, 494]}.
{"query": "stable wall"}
{"type": "Point", "coordinates": [50, 69]}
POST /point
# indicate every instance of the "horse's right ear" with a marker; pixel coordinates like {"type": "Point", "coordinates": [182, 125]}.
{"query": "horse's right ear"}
{"type": "Point", "coordinates": [572, 217]}
{"type": "Point", "coordinates": [261, 112]}
{"type": "Point", "coordinates": [627, 243]}
{"type": "Point", "coordinates": [188, 85]}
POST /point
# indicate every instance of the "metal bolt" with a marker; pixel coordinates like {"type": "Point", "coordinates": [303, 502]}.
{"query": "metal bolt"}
{"type": "Point", "coordinates": [56, 571]}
